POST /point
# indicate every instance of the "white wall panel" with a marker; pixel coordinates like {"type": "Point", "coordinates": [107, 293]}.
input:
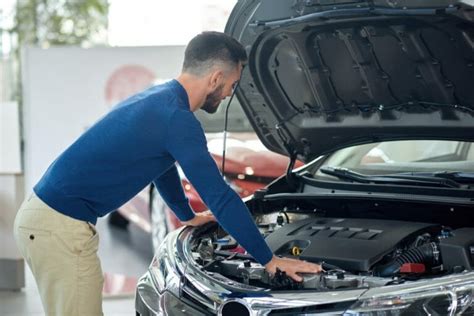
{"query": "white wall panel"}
{"type": "Point", "coordinates": [10, 162]}
{"type": "Point", "coordinates": [65, 92]}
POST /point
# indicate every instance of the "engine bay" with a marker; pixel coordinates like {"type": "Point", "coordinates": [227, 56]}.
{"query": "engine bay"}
{"type": "Point", "coordinates": [353, 252]}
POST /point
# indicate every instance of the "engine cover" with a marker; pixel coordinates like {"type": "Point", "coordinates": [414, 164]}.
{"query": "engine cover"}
{"type": "Point", "coordinates": [351, 244]}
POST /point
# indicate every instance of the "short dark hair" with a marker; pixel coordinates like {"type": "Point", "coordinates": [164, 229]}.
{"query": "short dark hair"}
{"type": "Point", "coordinates": [209, 48]}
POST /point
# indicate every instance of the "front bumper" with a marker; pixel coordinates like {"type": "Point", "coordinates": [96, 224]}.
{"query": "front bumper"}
{"type": "Point", "coordinates": [149, 302]}
{"type": "Point", "coordinates": [175, 285]}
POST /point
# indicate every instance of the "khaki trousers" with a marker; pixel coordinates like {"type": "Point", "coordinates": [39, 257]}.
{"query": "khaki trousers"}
{"type": "Point", "coordinates": [62, 254]}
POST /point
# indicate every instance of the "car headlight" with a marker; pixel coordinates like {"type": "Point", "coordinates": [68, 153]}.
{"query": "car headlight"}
{"type": "Point", "coordinates": [454, 299]}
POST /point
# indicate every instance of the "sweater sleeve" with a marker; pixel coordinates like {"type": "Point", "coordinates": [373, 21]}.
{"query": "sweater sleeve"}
{"type": "Point", "coordinates": [187, 144]}
{"type": "Point", "coordinates": [169, 186]}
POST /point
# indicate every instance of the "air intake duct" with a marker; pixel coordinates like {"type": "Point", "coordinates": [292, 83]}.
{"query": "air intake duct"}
{"type": "Point", "coordinates": [426, 254]}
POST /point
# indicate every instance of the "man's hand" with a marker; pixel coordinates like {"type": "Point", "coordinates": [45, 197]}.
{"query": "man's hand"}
{"type": "Point", "coordinates": [292, 267]}
{"type": "Point", "coordinates": [201, 219]}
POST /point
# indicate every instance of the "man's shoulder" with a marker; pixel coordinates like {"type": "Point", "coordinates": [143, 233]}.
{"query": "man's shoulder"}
{"type": "Point", "coordinates": [185, 122]}
{"type": "Point", "coordinates": [184, 115]}
{"type": "Point", "coordinates": [162, 91]}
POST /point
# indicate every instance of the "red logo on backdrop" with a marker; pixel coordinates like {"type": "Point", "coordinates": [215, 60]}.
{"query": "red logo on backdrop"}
{"type": "Point", "coordinates": [126, 81]}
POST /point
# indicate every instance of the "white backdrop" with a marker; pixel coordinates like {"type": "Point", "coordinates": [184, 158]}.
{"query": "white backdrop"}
{"type": "Point", "coordinates": [67, 89]}
{"type": "Point", "coordinates": [10, 162]}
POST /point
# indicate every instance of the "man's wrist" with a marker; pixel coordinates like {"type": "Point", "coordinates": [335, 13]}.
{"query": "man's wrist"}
{"type": "Point", "coordinates": [270, 263]}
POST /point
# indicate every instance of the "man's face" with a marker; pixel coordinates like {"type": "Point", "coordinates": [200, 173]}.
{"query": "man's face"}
{"type": "Point", "coordinates": [213, 100]}
{"type": "Point", "coordinates": [223, 90]}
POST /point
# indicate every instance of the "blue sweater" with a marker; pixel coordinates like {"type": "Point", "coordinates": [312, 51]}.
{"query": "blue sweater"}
{"type": "Point", "coordinates": [138, 142]}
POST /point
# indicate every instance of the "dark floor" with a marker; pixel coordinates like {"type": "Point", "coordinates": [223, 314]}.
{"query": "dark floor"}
{"type": "Point", "coordinates": [127, 252]}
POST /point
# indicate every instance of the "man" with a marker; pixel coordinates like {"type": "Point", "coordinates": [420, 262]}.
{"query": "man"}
{"type": "Point", "coordinates": [138, 142]}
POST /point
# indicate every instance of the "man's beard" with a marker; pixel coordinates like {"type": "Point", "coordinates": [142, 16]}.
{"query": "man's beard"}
{"type": "Point", "coordinates": [213, 100]}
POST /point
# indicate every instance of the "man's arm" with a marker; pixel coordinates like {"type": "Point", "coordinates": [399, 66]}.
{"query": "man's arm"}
{"type": "Point", "coordinates": [187, 144]}
{"type": "Point", "coordinates": [169, 186]}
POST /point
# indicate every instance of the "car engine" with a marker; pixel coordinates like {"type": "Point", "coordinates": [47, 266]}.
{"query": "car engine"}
{"type": "Point", "coordinates": [353, 252]}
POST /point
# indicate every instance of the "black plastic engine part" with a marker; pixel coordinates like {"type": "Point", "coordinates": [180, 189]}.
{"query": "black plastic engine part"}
{"type": "Point", "coordinates": [423, 254]}
{"type": "Point", "coordinates": [351, 244]}
{"type": "Point", "coordinates": [457, 251]}
{"type": "Point", "coordinates": [280, 281]}
{"type": "Point", "coordinates": [280, 220]}
{"type": "Point", "coordinates": [326, 267]}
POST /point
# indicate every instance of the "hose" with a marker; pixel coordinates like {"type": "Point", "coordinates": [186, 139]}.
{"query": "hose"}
{"type": "Point", "coordinates": [422, 254]}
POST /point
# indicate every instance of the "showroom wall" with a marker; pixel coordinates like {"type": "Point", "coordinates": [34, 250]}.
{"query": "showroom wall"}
{"type": "Point", "coordinates": [67, 89]}
{"type": "Point", "coordinates": [11, 195]}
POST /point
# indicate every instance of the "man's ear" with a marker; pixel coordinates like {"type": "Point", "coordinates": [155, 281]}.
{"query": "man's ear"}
{"type": "Point", "coordinates": [215, 79]}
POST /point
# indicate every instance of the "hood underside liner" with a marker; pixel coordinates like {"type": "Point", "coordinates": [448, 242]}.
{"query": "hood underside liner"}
{"type": "Point", "coordinates": [318, 86]}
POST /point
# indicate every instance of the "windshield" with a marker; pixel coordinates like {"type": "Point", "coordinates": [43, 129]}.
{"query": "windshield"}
{"type": "Point", "coordinates": [404, 156]}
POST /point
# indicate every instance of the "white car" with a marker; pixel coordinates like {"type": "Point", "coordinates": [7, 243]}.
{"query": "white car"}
{"type": "Point", "coordinates": [377, 98]}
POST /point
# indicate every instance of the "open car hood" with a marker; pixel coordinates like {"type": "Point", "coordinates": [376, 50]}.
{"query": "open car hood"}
{"type": "Point", "coordinates": [328, 74]}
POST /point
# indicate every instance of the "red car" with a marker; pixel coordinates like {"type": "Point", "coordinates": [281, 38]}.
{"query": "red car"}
{"type": "Point", "coordinates": [249, 166]}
